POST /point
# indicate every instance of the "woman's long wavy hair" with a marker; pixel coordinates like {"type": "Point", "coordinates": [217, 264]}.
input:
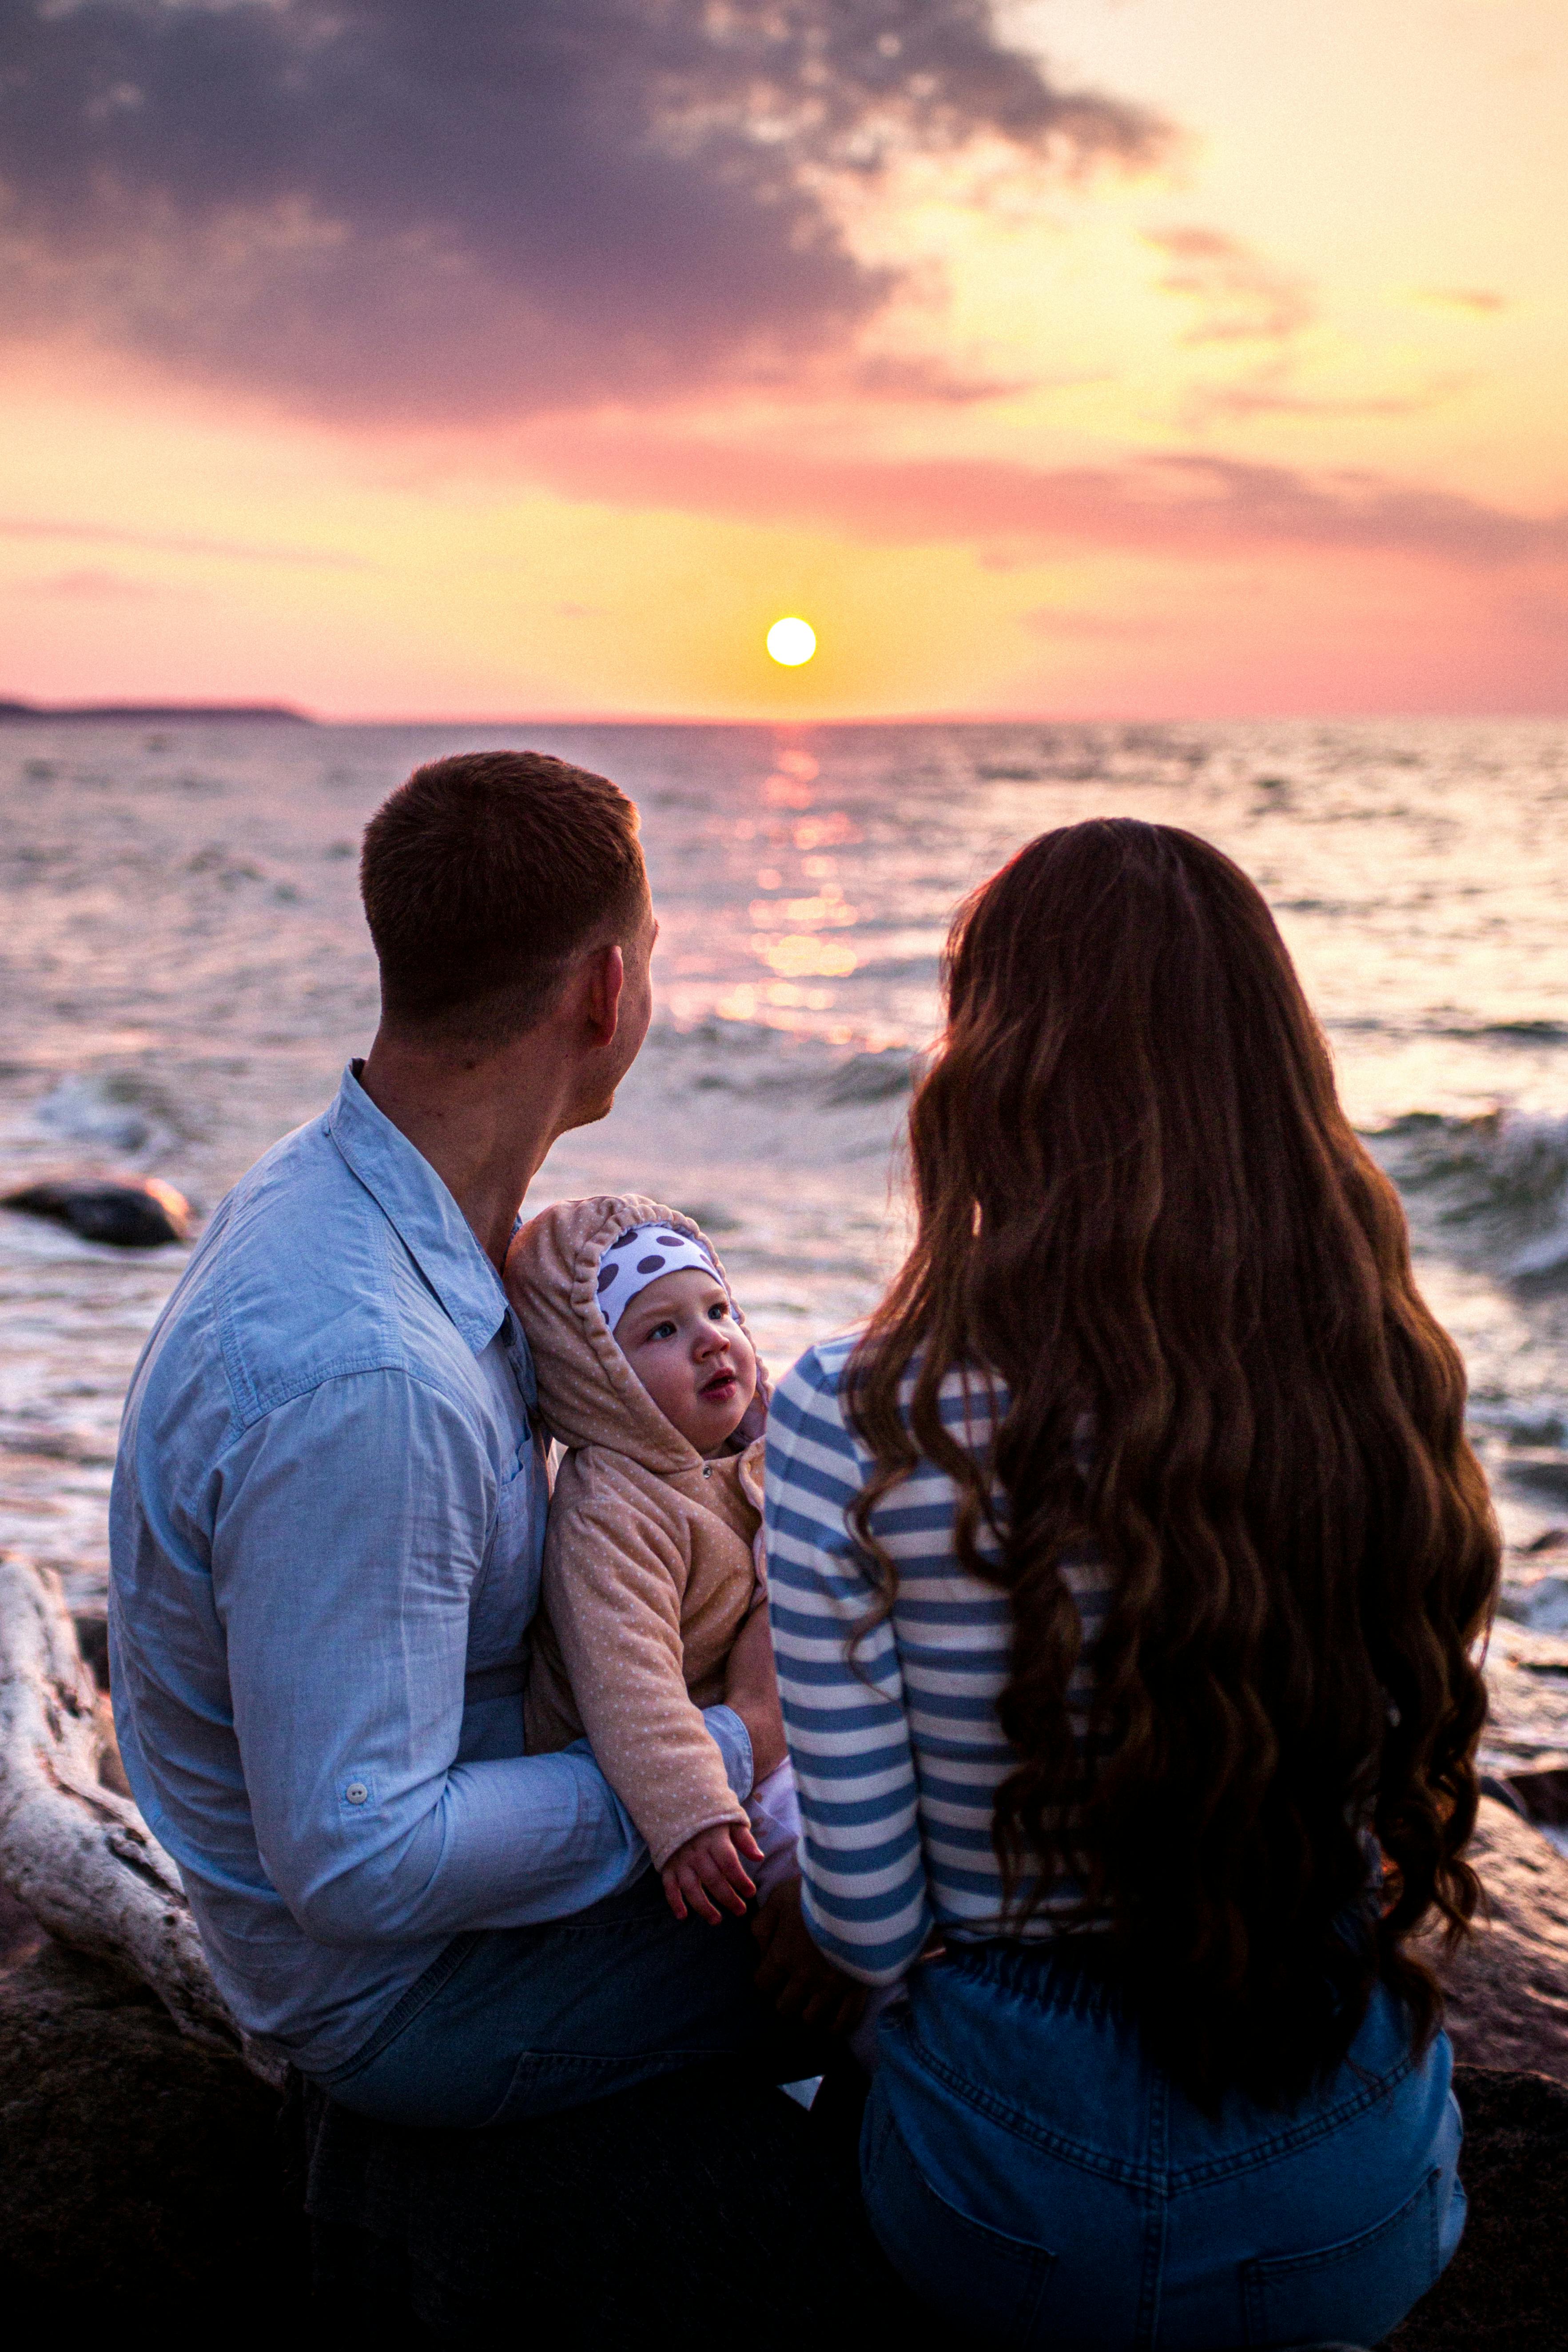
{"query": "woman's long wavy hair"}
{"type": "Point", "coordinates": [1141, 1206]}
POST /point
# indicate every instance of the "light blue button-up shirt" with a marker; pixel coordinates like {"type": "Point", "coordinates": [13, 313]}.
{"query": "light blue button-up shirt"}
{"type": "Point", "coordinates": [327, 1530]}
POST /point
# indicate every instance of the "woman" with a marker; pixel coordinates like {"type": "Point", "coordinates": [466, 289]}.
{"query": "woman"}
{"type": "Point", "coordinates": [1125, 1578]}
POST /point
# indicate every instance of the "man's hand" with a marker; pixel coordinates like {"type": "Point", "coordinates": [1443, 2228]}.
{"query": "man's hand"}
{"type": "Point", "coordinates": [751, 1688]}
{"type": "Point", "coordinates": [803, 1981]}
{"type": "Point", "coordinates": [708, 1869]}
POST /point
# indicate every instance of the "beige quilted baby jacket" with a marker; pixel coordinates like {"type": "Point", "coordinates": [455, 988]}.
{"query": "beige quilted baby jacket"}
{"type": "Point", "coordinates": [648, 1569]}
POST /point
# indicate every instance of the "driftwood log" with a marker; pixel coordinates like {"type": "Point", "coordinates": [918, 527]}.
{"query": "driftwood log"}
{"type": "Point", "coordinates": [76, 1853]}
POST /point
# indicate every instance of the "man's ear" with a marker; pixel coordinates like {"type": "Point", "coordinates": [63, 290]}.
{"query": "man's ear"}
{"type": "Point", "coordinates": [606, 976]}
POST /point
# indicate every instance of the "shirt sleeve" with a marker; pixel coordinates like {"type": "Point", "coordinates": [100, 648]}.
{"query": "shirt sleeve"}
{"type": "Point", "coordinates": [865, 1896]}
{"type": "Point", "coordinates": [344, 1594]}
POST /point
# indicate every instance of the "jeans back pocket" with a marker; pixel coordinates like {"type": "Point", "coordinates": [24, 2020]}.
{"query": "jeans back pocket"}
{"type": "Point", "coordinates": [981, 2279]}
{"type": "Point", "coordinates": [1356, 2290]}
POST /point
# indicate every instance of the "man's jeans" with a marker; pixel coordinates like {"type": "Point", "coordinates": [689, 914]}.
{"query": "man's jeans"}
{"type": "Point", "coordinates": [517, 2022]}
{"type": "Point", "coordinates": [1030, 2174]}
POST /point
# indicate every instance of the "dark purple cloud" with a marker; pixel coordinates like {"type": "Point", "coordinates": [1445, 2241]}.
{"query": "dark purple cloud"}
{"type": "Point", "coordinates": [466, 206]}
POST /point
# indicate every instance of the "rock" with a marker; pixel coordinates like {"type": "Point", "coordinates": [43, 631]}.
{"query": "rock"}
{"type": "Point", "coordinates": [141, 2176]}
{"type": "Point", "coordinates": [138, 1212]}
{"type": "Point", "coordinates": [1527, 1699]}
{"type": "Point", "coordinates": [613, 2223]}
{"type": "Point", "coordinates": [1506, 1986]}
{"type": "Point", "coordinates": [1506, 2290]}
{"type": "Point", "coordinates": [20, 1934]}
{"type": "Point", "coordinates": [139, 2170]}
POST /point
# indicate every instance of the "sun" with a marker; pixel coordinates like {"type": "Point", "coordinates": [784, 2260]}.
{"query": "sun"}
{"type": "Point", "coordinates": [791, 642]}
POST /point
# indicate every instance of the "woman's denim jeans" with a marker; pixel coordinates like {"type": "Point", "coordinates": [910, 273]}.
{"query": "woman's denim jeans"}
{"type": "Point", "coordinates": [1033, 2176]}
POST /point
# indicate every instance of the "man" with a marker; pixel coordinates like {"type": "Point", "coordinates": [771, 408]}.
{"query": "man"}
{"type": "Point", "coordinates": [328, 1514]}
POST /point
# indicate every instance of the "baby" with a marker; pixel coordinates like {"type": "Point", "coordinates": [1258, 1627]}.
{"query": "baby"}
{"type": "Point", "coordinates": [653, 1557]}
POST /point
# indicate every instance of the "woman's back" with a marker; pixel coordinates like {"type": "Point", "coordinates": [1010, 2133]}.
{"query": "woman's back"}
{"type": "Point", "coordinates": [1167, 1636]}
{"type": "Point", "coordinates": [1027, 2167]}
{"type": "Point", "coordinates": [1141, 1208]}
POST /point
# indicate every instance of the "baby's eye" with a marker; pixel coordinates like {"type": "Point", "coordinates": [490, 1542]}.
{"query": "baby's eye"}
{"type": "Point", "coordinates": [717, 1314]}
{"type": "Point", "coordinates": [662, 1331]}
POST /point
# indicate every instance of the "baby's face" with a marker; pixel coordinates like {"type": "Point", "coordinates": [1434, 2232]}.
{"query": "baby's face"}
{"type": "Point", "coordinates": [686, 1348]}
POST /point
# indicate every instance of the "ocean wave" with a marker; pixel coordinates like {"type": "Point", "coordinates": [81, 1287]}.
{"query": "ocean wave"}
{"type": "Point", "coordinates": [1529, 1423]}
{"type": "Point", "coordinates": [1511, 1032]}
{"type": "Point", "coordinates": [121, 1111]}
{"type": "Point", "coordinates": [1489, 1191]}
{"type": "Point", "coordinates": [1542, 1606]}
{"type": "Point", "coordinates": [754, 1059]}
{"type": "Point", "coordinates": [870, 1077]}
{"type": "Point", "coordinates": [1474, 1033]}
{"type": "Point", "coordinates": [903, 968]}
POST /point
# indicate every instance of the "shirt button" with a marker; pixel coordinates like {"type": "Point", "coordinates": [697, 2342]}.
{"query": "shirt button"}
{"type": "Point", "coordinates": [356, 1792]}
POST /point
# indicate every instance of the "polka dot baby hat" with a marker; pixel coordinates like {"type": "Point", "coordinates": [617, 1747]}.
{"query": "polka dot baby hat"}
{"type": "Point", "coordinates": [639, 1257]}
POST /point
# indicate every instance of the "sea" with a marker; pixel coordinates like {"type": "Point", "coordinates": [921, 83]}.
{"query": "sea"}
{"type": "Point", "coordinates": [186, 971]}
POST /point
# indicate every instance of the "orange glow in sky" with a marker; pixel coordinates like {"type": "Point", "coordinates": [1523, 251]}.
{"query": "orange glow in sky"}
{"type": "Point", "coordinates": [1235, 386]}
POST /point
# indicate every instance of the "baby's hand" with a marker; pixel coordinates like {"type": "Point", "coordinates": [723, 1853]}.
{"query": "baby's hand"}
{"type": "Point", "coordinates": [803, 1981]}
{"type": "Point", "coordinates": [709, 1864]}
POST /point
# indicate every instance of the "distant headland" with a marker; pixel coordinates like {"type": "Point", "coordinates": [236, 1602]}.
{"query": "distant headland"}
{"type": "Point", "coordinates": [164, 712]}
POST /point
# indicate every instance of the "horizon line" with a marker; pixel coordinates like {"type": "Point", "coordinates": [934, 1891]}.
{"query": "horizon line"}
{"type": "Point", "coordinates": [13, 710]}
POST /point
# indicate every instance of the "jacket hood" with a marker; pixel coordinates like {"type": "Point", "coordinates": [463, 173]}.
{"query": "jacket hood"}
{"type": "Point", "coordinates": [588, 1393]}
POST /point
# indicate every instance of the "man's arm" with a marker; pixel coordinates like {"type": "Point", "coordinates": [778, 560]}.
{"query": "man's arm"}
{"type": "Point", "coordinates": [351, 1526]}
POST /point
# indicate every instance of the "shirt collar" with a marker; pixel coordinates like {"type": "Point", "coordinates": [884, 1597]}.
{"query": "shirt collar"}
{"type": "Point", "coordinates": [420, 1211]}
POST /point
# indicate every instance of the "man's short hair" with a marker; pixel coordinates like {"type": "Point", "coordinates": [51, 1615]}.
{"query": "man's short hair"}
{"type": "Point", "coordinates": [482, 877]}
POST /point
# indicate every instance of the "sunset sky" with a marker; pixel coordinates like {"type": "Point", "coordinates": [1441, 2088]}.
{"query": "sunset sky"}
{"type": "Point", "coordinates": [1082, 358]}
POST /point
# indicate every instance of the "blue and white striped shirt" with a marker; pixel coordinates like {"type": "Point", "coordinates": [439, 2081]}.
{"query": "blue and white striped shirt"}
{"type": "Point", "coordinates": [898, 1753]}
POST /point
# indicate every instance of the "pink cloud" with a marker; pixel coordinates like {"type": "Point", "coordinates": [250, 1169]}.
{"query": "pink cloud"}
{"type": "Point", "coordinates": [1480, 299]}
{"type": "Point", "coordinates": [92, 586]}
{"type": "Point", "coordinates": [95, 534]}
{"type": "Point", "coordinates": [1238, 296]}
{"type": "Point", "coordinates": [1188, 503]}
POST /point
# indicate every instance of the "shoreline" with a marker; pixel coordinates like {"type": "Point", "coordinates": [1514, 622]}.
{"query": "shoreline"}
{"type": "Point", "coordinates": [136, 714]}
